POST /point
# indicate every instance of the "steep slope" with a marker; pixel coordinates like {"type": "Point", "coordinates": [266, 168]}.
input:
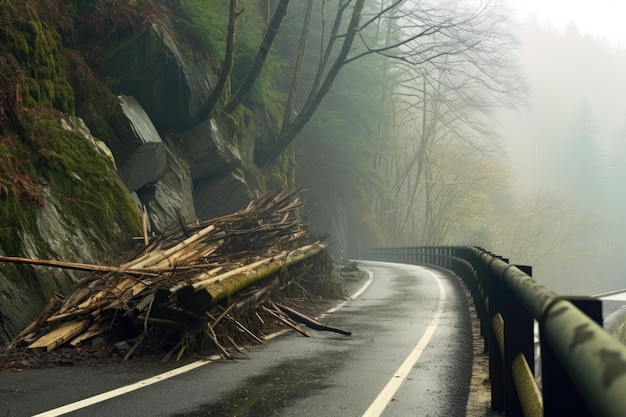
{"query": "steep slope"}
{"type": "Point", "coordinates": [97, 108]}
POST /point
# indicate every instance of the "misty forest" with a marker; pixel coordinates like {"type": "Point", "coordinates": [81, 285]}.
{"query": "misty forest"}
{"type": "Point", "coordinates": [405, 123]}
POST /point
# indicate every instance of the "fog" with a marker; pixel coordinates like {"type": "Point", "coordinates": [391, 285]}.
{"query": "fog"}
{"type": "Point", "coordinates": [569, 143]}
{"type": "Point", "coordinates": [413, 147]}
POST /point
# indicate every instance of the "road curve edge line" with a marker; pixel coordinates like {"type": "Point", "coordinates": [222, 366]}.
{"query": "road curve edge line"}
{"type": "Point", "coordinates": [68, 408]}
{"type": "Point", "coordinates": [386, 394]}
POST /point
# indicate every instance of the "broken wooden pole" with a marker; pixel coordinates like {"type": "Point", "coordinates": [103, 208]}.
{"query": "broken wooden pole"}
{"type": "Point", "coordinates": [78, 266]}
{"type": "Point", "coordinates": [201, 295]}
{"type": "Point", "coordinates": [165, 257]}
{"type": "Point", "coordinates": [60, 335]}
{"type": "Point", "coordinates": [308, 321]}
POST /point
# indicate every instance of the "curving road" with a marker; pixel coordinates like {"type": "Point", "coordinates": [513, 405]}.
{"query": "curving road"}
{"type": "Point", "coordinates": [410, 354]}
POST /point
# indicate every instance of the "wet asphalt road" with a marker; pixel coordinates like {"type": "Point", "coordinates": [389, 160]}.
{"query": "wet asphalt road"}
{"type": "Point", "coordinates": [324, 375]}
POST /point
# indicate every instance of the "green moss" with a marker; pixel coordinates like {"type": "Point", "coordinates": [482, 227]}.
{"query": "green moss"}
{"type": "Point", "coordinates": [38, 48]}
{"type": "Point", "coordinates": [278, 176]}
{"type": "Point", "coordinates": [40, 152]}
{"type": "Point", "coordinates": [12, 224]}
{"type": "Point", "coordinates": [93, 100]}
{"type": "Point", "coordinates": [81, 179]}
{"type": "Point", "coordinates": [206, 26]}
{"type": "Point", "coordinates": [85, 181]}
{"type": "Point", "coordinates": [9, 161]}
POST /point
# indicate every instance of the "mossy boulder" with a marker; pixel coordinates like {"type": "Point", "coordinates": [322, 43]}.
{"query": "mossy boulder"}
{"type": "Point", "coordinates": [67, 204]}
{"type": "Point", "coordinates": [161, 73]}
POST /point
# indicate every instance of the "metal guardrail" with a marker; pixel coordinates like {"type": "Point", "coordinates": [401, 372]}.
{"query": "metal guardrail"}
{"type": "Point", "coordinates": [583, 368]}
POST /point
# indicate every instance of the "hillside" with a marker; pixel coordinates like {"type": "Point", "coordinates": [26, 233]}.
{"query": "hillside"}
{"type": "Point", "coordinates": [99, 105]}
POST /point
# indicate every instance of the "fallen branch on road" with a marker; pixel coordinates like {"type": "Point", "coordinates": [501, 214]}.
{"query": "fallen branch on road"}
{"type": "Point", "coordinates": [192, 290]}
{"type": "Point", "coordinates": [310, 322]}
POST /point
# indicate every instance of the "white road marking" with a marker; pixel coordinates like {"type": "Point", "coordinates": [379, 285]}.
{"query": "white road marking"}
{"type": "Point", "coordinates": [356, 293]}
{"type": "Point", "coordinates": [126, 389]}
{"type": "Point", "coordinates": [162, 377]}
{"type": "Point", "coordinates": [384, 397]}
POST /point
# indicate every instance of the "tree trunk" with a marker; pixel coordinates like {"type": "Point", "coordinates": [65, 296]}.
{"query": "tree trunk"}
{"type": "Point", "coordinates": [290, 131]}
{"type": "Point", "coordinates": [261, 57]}
{"type": "Point", "coordinates": [201, 295]}
{"type": "Point", "coordinates": [299, 61]}
{"type": "Point", "coordinates": [229, 63]}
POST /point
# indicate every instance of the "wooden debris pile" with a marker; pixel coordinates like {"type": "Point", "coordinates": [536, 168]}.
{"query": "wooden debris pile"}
{"type": "Point", "coordinates": [195, 288]}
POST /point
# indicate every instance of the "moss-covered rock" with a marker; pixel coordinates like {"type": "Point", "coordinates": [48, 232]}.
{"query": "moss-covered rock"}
{"type": "Point", "coordinates": [153, 67]}
{"type": "Point", "coordinates": [66, 203]}
{"type": "Point", "coordinates": [37, 46]}
{"type": "Point", "coordinates": [60, 195]}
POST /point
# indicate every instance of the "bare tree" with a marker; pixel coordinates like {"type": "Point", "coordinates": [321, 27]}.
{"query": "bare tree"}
{"type": "Point", "coordinates": [416, 34]}
{"type": "Point", "coordinates": [220, 93]}
{"type": "Point", "coordinates": [448, 100]}
{"type": "Point", "coordinates": [297, 73]}
{"type": "Point", "coordinates": [272, 148]}
{"type": "Point", "coordinates": [423, 34]}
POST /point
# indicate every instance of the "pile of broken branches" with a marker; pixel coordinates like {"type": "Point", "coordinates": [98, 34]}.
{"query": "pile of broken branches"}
{"type": "Point", "coordinates": [211, 286]}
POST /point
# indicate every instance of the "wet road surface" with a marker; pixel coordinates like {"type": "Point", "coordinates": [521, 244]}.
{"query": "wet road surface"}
{"type": "Point", "coordinates": [406, 312]}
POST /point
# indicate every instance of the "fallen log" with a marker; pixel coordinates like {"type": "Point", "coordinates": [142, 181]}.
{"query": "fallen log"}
{"type": "Point", "coordinates": [309, 322]}
{"type": "Point", "coordinates": [201, 295]}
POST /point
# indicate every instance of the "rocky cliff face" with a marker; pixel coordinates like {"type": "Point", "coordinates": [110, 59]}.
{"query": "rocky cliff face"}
{"type": "Point", "coordinates": [170, 163]}
{"type": "Point", "coordinates": [118, 110]}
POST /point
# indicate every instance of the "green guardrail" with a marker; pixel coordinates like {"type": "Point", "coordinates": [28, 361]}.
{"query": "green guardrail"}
{"type": "Point", "coordinates": [583, 368]}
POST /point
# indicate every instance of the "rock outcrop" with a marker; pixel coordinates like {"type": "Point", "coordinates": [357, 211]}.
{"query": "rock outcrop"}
{"type": "Point", "coordinates": [148, 161]}
{"type": "Point", "coordinates": [64, 224]}
{"type": "Point", "coordinates": [171, 85]}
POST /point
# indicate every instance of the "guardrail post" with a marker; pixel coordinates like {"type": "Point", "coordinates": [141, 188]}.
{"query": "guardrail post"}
{"type": "Point", "coordinates": [482, 277]}
{"type": "Point", "coordinates": [496, 363]}
{"type": "Point", "coordinates": [591, 306]}
{"type": "Point", "coordinates": [518, 338]}
{"type": "Point", "coordinates": [461, 260]}
{"type": "Point", "coordinates": [560, 396]}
